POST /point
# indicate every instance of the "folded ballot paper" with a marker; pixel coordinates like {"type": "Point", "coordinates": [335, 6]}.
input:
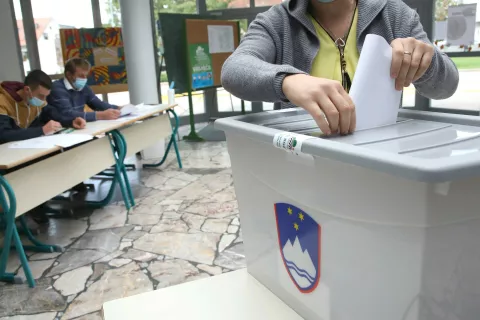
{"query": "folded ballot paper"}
{"type": "Point", "coordinates": [373, 90]}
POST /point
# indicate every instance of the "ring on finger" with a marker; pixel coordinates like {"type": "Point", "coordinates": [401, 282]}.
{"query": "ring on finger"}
{"type": "Point", "coordinates": [408, 53]}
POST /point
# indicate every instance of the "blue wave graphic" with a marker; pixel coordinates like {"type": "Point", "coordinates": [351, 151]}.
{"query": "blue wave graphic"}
{"type": "Point", "coordinates": [302, 273]}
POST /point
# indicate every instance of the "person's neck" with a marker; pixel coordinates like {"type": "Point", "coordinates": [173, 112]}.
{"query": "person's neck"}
{"type": "Point", "coordinates": [332, 11]}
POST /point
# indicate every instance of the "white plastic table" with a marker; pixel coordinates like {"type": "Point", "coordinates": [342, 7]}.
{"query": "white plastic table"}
{"type": "Point", "coordinates": [233, 296]}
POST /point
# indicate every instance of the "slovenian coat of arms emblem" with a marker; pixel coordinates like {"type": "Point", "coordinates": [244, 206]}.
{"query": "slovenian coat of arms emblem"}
{"type": "Point", "coordinates": [299, 237]}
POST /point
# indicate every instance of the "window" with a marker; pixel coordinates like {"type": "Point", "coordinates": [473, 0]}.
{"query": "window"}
{"type": "Point", "coordinates": [21, 36]}
{"type": "Point", "coordinates": [51, 16]}
{"type": "Point", "coordinates": [467, 96]}
{"type": "Point", "coordinates": [266, 3]}
{"type": "Point", "coordinates": [227, 4]}
{"type": "Point", "coordinates": [110, 13]}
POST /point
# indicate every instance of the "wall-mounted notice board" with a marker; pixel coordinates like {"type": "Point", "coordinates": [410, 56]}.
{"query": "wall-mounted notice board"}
{"type": "Point", "coordinates": [209, 43]}
{"type": "Point", "coordinates": [188, 51]}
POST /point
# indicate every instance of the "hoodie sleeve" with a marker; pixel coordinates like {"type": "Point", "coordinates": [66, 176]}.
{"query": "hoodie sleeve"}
{"type": "Point", "coordinates": [9, 131]}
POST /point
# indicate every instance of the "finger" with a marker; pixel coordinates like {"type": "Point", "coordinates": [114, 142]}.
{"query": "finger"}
{"type": "Point", "coordinates": [319, 117]}
{"type": "Point", "coordinates": [353, 118]}
{"type": "Point", "coordinates": [330, 111]}
{"type": "Point", "coordinates": [397, 58]}
{"type": "Point", "coordinates": [424, 65]}
{"type": "Point", "coordinates": [416, 60]}
{"type": "Point", "coordinates": [406, 62]}
{"type": "Point", "coordinates": [353, 121]}
{"type": "Point", "coordinates": [344, 110]}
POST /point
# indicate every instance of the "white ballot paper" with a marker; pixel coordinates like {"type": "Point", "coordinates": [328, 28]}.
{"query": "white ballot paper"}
{"type": "Point", "coordinates": [373, 90]}
{"type": "Point", "coordinates": [47, 142]}
{"type": "Point", "coordinates": [129, 109]}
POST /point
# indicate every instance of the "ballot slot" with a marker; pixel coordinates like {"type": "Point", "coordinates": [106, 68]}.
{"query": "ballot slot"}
{"type": "Point", "coordinates": [458, 149]}
{"type": "Point", "coordinates": [442, 137]}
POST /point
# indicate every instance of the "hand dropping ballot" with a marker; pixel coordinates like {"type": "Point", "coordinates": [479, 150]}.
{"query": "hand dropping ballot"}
{"type": "Point", "coordinates": [373, 90]}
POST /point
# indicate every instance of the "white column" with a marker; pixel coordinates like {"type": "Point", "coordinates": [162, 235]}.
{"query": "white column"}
{"type": "Point", "coordinates": [11, 67]}
{"type": "Point", "coordinates": [140, 59]}
{"type": "Point", "coordinates": [139, 51]}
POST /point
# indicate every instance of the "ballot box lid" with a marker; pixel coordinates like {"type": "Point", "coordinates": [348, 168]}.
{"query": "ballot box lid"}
{"type": "Point", "coordinates": [423, 146]}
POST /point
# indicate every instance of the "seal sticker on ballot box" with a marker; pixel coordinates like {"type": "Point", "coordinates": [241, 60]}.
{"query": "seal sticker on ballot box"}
{"type": "Point", "coordinates": [299, 237]}
{"type": "Point", "coordinates": [288, 141]}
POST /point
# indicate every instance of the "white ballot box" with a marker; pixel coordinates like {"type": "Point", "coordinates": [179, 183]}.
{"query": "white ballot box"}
{"type": "Point", "coordinates": [379, 225]}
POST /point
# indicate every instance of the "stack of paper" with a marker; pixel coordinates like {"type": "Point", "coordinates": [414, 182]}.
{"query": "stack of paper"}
{"type": "Point", "coordinates": [130, 109]}
{"type": "Point", "coordinates": [373, 90]}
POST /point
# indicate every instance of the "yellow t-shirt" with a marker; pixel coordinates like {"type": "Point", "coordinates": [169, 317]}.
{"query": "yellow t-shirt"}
{"type": "Point", "coordinates": [327, 62]}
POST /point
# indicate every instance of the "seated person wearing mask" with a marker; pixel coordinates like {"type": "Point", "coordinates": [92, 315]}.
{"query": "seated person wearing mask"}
{"type": "Point", "coordinates": [304, 53]}
{"type": "Point", "coordinates": [70, 94]}
{"type": "Point", "coordinates": [23, 114]}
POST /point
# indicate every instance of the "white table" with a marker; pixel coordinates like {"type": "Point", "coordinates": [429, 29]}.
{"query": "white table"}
{"type": "Point", "coordinates": [233, 296]}
{"type": "Point", "coordinates": [37, 182]}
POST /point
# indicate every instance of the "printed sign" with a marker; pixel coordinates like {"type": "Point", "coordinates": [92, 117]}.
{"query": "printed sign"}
{"type": "Point", "coordinates": [299, 237]}
{"type": "Point", "coordinates": [201, 64]}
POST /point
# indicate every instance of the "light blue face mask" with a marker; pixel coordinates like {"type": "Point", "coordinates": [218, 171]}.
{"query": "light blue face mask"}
{"type": "Point", "coordinates": [80, 83]}
{"type": "Point", "coordinates": [34, 101]}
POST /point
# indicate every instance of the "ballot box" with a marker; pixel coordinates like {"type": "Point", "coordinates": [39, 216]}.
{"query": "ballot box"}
{"type": "Point", "coordinates": [383, 224]}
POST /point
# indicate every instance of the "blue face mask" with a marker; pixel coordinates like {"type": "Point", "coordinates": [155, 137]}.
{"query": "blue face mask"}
{"type": "Point", "coordinates": [34, 101]}
{"type": "Point", "coordinates": [80, 83]}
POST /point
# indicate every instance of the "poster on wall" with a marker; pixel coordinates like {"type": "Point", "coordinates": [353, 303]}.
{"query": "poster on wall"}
{"type": "Point", "coordinates": [221, 39]}
{"type": "Point", "coordinates": [201, 66]}
{"type": "Point", "coordinates": [103, 48]}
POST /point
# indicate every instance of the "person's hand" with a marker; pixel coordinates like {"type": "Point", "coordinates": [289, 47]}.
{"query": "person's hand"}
{"type": "Point", "coordinates": [110, 114]}
{"type": "Point", "coordinates": [411, 58]}
{"type": "Point", "coordinates": [326, 100]}
{"type": "Point", "coordinates": [51, 127]}
{"type": "Point", "coordinates": [79, 123]}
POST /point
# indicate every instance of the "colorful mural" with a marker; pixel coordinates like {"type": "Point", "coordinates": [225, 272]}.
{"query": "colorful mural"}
{"type": "Point", "coordinates": [103, 48]}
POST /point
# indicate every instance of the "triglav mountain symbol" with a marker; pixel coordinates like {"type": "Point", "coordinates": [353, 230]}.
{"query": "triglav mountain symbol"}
{"type": "Point", "coordinates": [299, 263]}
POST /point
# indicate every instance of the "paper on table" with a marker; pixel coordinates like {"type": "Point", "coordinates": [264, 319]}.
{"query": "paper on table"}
{"type": "Point", "coordinates": [47, 142]}
{"type": "Point", "coordinates": [373, 90]}
{"type": "Point", "coordinates": [36, 143]}
{"type": "Point", "coordinates": [129, 109]}
{"type": "Point", "coordinates": [220, 39]}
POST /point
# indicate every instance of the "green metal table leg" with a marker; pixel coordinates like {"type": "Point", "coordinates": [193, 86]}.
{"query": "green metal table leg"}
{"type": "Point", "coordinates": [172, 141]}
{"type": "Point", "coordinates": [123, 144]}
{"type": "Point", "coordinates": [38, 246]}
{"type": "Point", "coordinates": [107, 199]}
{"type": "Point", "coordinates": [119, 153]}
{"type": "Point", "coordinates": [9, 210]}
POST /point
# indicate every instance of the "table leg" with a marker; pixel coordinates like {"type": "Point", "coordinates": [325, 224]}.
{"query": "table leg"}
{"type": "Point", "coordinates": [9, 211]}
{"type": "Point", "coordinates": [123, 144]}
{"type": "Point", "coordinates": [172, 141]}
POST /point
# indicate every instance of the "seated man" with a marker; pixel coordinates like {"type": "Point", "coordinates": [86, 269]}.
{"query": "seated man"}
{"type": "Point", "coordinates": [23, 115]}
{"type": "Point", "coordinates": [70, 94]}
{"type": "Point", "coordinates": [22, 112]}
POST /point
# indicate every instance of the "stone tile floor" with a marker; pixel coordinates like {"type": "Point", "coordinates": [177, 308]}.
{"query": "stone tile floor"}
{"type": "Point", "coordinates": [185, 227]}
